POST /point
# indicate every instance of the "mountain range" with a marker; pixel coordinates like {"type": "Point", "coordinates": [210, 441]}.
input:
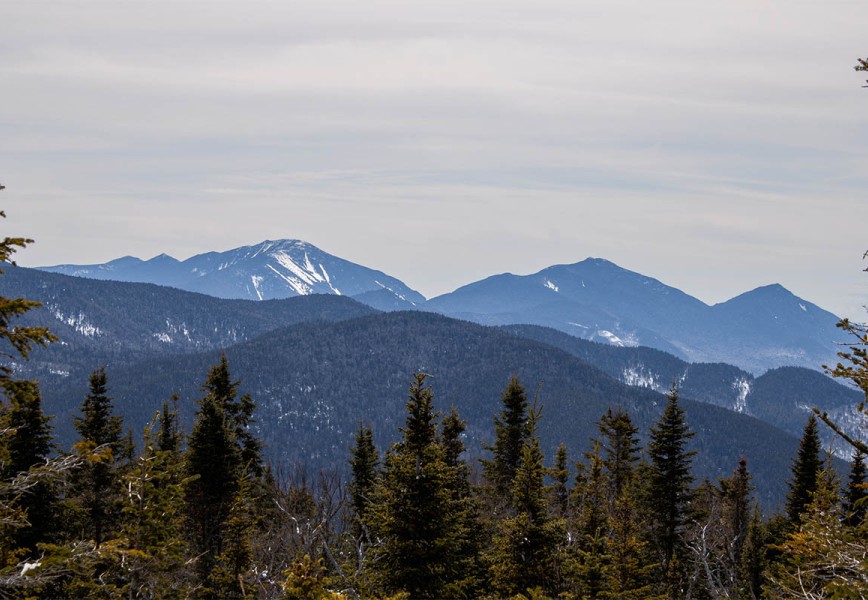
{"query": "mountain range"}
{"type": "Point", "coordinates": [594, 299]}
{"type": "Point", "coordinates": [316, 365]}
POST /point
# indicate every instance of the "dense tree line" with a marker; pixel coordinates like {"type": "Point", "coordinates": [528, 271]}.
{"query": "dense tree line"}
{"type": "Point", "coordinates": [200, 514]}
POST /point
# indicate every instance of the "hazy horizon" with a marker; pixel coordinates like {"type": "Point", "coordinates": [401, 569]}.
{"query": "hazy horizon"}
{"type": "Point", "coordinates": [716, 146]}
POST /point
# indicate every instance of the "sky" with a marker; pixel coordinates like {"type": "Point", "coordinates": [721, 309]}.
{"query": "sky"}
{"type": "Point", "coordinates": [716, 145]}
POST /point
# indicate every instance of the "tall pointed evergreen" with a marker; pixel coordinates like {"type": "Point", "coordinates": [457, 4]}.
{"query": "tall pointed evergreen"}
{"type": "Point", "coordinates": [806, 469]}
{"type": "Point", "coordinates": [417, 517]}
{"type": "Point", "coordinates": [668, 493]}
{"type": "Point", "coordinates": [620, 447]}
{"type": "Point", "coordinates": [220, 451]}
{"type": "Point", "coordinates": [510, 433]}
{"type": "Point", "coordinates": [560, 474]}
{"type": "Point", "coordinates": [96, 484]}
{"type": "Point", "coordinates": [527, 549]}
{"type": "Point", "coordinates": [856, 494]}
{"type": "Point", "coordinates": [27, 443]}
{"type": "Point", "coordinates": [363, 468]}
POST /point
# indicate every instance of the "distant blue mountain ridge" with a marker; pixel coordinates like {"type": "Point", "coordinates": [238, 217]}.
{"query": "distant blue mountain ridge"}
{"type": "Point", "coordinates": [594, 299]}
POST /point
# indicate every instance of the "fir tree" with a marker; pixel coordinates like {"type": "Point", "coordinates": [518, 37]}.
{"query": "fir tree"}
{"type": "Point", "coordinates": [560, 474]}
{"type": "Point", "coordinates": [96, 484]}
{"type": "Point", "coordinates": [806, 468]}
{"type": "Point", "coordinates": [593, 529]}
{"type": "Point", "coordinates": [668, 492]}
{"type": "Point", "coordinates": [510, 433]}
{"type": "Point", "coordinates": [527, 549]}
{"type": "Point", "coordinates": [823, 558]}
{"type": "Point", "coordinates": [152, 518]}
{"type": "Point", "coordinates": [620, 445]}
{"type": "Point", "coordinates": [20, 338]}
{"type": "Point", "coordinates": [752, 567]}
{"type": "Point", "coordinates": [417, 517]}
{"type": "Point", "coordinates": [363, 468]}
{"type": "Point", "coordinates": [856, 495]}
{"type": "Point", "coordinates": [735, 494]}
{"type": "Point", "coordinates": [221, 450]}
{"type": "Point", "coordinates": [27, 443]}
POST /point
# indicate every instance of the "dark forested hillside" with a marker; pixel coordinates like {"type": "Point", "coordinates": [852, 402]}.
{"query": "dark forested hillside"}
{"type": "Point", "coordinates": [781, 397]}
{"type": "Point", "coordinates": [314, 382]}
{"type": "Point", "coordinates": [109, 321]}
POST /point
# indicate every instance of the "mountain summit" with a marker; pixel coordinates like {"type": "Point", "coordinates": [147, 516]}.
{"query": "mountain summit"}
{"type": "Point", "coordinates": [597, 300]}
{"type": "Point", "coordinates": [270, 270]}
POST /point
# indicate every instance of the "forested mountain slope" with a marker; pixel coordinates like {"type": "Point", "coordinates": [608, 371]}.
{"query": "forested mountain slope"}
{"type": "Point", "coordinates": [782, 397]}
{"type": "Point", "coordinates": [314, 383]}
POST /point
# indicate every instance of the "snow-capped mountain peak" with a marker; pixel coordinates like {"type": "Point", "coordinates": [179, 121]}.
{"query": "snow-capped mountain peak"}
{"type": "Point", "coordinates": [269, 270]}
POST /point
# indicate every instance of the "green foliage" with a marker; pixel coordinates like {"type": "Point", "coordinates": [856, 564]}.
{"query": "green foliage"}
{"type": "Point", "coordinates": [222, 453]}
{"type": "Point", "coordinates": [856, 497]}
{"type": "Point", "coordinates": [668, 493]}
{"type": "Point", "coordinates": [419, 519]}
{"type": "Point", "coordinates": [823, 558]}
{"type": "Point", "coordinates": [861, 65]}
{"type": "Point", "coordinates": [20, 338]}
{"type": "Point", "coordinates": [96, 486]}
{"type": "Point", "coordinates": [27, 444]}
{"type": "Point", "coordinates": [510, 433]}
{"type": "Point", "coordinates": [559, 491]}
{"type": "Point", "coordinates": [363, 470]}
{"type": "Point", "coordinates": [805, 471]}
{"type": "Point", "coordinates": [528, 548]}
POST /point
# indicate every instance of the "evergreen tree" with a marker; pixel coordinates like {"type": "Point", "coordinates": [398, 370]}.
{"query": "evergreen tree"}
{"type": "Point", "coordinates": [527, 549]}
{"type": "Point", "coordinates": [560, 474]}
{"type": "Point", "coordinates": [20, 338]}
{"type": "Point", "coordinates": [97, 483]}
{"type": "Point", "coordinates": [621, 450]}
{"type": "Point", "coordinates": [363, 468]}
{"type": "Point", "coordinates": [668, 493]}
{"type": "Point", "coordinates": [221, 450]}
{"type": "Point", "coordinates": [416, 515]}
{"type": "Point", "coordinates": [752, 568]}
{"type": "Point", "coordinates": [806, 468]}
{"type": "Point", "coordinates": [735, 494]}
{"type": "Point", "coordinates": [593, 529]}
{"type": "Point", "coordinates": [510, 433]}
{"type": "Point", "coordinates": [469, 578]}
{"type": "Point", "coordinates": [856, 495]}
{"type": "Point", "coordinates": [27, 443]}
{"type": "Point", "coordinates": [823, 558]}
{"type": "Point", "coordinates": [152, 520]}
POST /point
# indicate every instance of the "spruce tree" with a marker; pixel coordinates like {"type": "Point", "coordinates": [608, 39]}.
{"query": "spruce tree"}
{"type": "Point", "coordinates": [805, 470]}
{"type": "Point", "coordinates": [27, 443]}
{"type": "Point", "coordinates": [735, 494]}
{"type": "Point", "coordinates": [468, 536]}
{"type": "Point", "coordinates": [856, 495]}
{"type": "Point", "coordinates": [560, 474]}
{"type": "Point", "coordinates": [510, 433]}
{"type": "Point", "coordinates": [668, 493]}
{"type": "Point", "coordinates": [96, 484]}
{"type": "Point", "coordinates": [593, 529]}
{"type": "Point", "coordinates": [416, 515]}
{"type": "Point", "coordinates": [363, 469]}
{"type": "Point", "coordinates": [221, 450]}
{"type": "Point", "coordinates": [528, 549]}
{"type": "Point", "coordinates": [621, 450]}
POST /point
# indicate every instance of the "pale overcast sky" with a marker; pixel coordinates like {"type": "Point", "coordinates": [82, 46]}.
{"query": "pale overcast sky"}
{"type": "Point", "coordinates": [715, 145]}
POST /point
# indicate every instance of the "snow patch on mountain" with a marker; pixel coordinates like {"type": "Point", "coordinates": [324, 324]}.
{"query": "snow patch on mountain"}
{"type": "Point", "coordinates": [79, 322]}
{"type": "Point", "coordinates": [742, 388]}
{"type": "Point", "coordinates": [639, 376]}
